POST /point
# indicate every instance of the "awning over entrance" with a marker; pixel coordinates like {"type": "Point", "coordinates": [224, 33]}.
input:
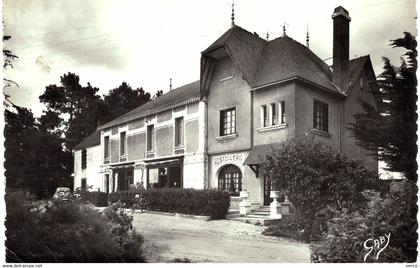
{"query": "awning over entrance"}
{"type": "Point", "coordinates": [257, 155]}
{"type": "Point", "coordinates": [166, 162]}
{"type": "Point", "coordinates": [122, 166]}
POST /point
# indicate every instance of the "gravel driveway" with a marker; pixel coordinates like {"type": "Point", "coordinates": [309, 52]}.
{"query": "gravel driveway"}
{"type": "Point", "coordinates": [170, 237]}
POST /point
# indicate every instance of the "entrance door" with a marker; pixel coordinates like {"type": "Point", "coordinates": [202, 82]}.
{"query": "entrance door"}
{"type": "Point", "coordinates": [268, 186]}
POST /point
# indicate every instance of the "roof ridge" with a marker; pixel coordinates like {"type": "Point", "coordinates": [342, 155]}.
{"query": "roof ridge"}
{"type": "Point", "coordinates": [147, 104]}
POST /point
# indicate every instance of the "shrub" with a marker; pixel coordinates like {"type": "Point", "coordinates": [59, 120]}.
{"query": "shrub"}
{"type": "Point", "coordinates": [288, 227]}
{"type": "Point", "coordinates": [99, 199]}
{"type": "Point", "coordinates": [68, 232]}
{"type": "Point", "coordinates": [313, 176]}
{"type": "Point", "coordinates": [214, 203]}
{"type": "Point", "coordinates": [395, 214]}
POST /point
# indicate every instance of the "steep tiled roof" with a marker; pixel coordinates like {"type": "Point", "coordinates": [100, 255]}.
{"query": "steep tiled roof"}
{"type": "Point", "coordinates": [90, 141]}
{"type": "Point", "coordinates": [182, 95]}
{"type": "Point", "coordinates": [356, 67]}
{"type": "Point", "coordinates": [264, 62]}
{"type": "Point", "coordinates": [245, 48]}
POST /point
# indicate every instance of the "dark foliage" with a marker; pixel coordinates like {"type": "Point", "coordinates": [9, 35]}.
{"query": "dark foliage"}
{"type": "Point", "coordinates": [99, 199]}
{"type": "Point", "coordinates": [68, 232]}
{"type": "Point", "coordinates": [214, 203]}
{"type": "Point", "coordinates": [394, 214]}
{"type": "Point", "coordinates": [34, 157]}
{"type": "Point", "coordinates": [288, 228]}
{"type": "Point", "coordinates": [314, 177]}
{"type": "Point", "coordinates": [121, 100]}
{"type": "Point", "coordinates": [376, 128]}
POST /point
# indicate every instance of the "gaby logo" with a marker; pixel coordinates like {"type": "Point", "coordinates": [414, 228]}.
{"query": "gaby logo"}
{"type": "Point", "coordinates": [376, 245]}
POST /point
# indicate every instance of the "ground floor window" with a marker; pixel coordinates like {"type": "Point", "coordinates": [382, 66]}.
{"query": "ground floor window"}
{"type": "Point", "coordinates": [230, 179]}
{"type": "Point", "coordinates": [122, 179]}
{"type": "Point", "coordinates": [169, 176]}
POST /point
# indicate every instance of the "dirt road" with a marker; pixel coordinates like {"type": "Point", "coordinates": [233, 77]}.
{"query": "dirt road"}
{"type": "Point", "coordinates": [169, 237]}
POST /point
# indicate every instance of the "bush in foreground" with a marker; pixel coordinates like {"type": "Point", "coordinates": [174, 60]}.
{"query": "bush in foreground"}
{"type": "Point", "coordinates": [214, 203]}
{"type": "Point", "coordinates": [314, 176]}
{"type": "Point", "coordinates": [99, 199]}
{"type": "Point", "coordinates": [395, 215]}
{"type": "Point", "coordinates": [68, 232]}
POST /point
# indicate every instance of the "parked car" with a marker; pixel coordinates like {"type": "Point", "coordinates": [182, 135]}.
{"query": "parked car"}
{"type": "Point", "coordinates": [63, 194]}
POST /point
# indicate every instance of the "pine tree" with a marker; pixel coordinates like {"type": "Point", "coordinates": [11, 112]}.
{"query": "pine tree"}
{"type": "Point", "coordinates": [389, 129]}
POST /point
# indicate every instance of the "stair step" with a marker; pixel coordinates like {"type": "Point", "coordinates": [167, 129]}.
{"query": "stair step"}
{"type": "Point", "coordinates": [262, 221]}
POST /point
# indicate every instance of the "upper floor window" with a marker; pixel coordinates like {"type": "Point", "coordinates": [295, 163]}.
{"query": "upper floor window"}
{"type": "Point", "coordinates": [282, 112]}
{"type": "Point", "coordinates": [106, 147]}
{"type": "Point", "coordinates": [228, 122]}
{"type": "Point", "coordinates": [264, 114]}
{"type": "Point", "coordinates": [273, 114]}
{"type": "Point", "coordinates": [84, 159]}
{"type": "Point", "coordinates": [123, 143]}
{"type": "Point", "coordinates": [179, 131]}
{"type": "Point", "coordinates": [150, 137]}
{"type": "Point", "coordinates": [320, 116]}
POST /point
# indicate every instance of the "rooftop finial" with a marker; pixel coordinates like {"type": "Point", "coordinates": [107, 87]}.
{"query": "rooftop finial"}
{"type": "Point", "coordinates": [307, 36]}
{"type": "Point", "coordinates": [267, 36]}
{"type": "Point", "coordinates": [170, 83]}
{"type": "Point", "coordinates": [233, 14]}
{"type": "Point", "coordinates": [284, 28]}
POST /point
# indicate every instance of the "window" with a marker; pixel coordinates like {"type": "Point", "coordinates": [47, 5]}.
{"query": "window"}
{"type": "Point", "coordinates": [228, 122]}
{"type": "Point", "coordinates": [230, 179]}
{"type": "Point", "coordinates": [320, 116]}
{"type": "Point", "coordinates": [123, 143]}
{"type": "Point", "coordinates": [150, 137]}
{"type": "Point", "coordinates": [179, 131]}
{"type": "Point", "coordinates": [264, 116]}
{"type": "Point", "coordinates": [274, 116]}
{"type": "Point", "coordinates": [282, 112]}
{"type": "Point", "coordinates": [106, 147]}
{"type": "Point", "coordinates": [84, 156]}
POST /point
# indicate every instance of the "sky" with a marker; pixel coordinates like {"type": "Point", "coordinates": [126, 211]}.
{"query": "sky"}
{"type": "Point", "coordinates": [145, 43]}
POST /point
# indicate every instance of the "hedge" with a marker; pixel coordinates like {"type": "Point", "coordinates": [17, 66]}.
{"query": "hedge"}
{"type": "Point", "coordinates": [213, 203]}
{"type": "Point", "coordinates": [99, 199]}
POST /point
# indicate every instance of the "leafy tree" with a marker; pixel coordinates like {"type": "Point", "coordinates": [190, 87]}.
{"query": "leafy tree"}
{"type": "Point", "coordinates": [77, 106]}
{"type": "Point", "coordinates": [121, 100]}
{"type": "Point", "coordinates": [313, 176]}
{"type": "Point", "coordinates": [391, 126]}
{"type": "Point", "coordinates": [158, 94]}
{"type": "Point", "coordinates": [35, 159]}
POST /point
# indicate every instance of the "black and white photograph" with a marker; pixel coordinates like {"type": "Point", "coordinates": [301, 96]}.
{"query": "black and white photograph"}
{"type": "Point", "coordinates": [223, 132]}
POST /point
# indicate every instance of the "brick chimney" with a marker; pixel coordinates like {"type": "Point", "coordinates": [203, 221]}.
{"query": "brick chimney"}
{"type": "Point", "coordinates": [341, 47]}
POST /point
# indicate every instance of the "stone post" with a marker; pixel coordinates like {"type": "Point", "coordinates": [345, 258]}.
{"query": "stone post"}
{"type": "Point", "coordinates": [244, 205]}
{"type": "Point", "coordinates": [275, 206]}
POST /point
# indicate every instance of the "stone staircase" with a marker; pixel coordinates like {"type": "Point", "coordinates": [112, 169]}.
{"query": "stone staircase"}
{"type": "Point", "coordinates": [259, 216]}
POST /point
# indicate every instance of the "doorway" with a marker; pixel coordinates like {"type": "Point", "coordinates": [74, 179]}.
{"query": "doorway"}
{"type": "Point", "coordinates": [268, 186]}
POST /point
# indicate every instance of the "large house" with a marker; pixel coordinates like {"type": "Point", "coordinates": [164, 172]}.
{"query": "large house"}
{"type": "Point", "coordinates": [252, 93]}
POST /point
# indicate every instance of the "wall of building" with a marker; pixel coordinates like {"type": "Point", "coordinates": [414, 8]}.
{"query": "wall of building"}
{"type": "Point", "coordinates": [164, 127]}
{"type": "Point", "coordinates": [91, 173]}
{"type": "Point", "coordinates": [265, 96]}
{"type": "Point", "coordinates": [305, 96]}
{"type": "Point", "coordinates": [350, 108]}
{"type": "Point", "coordinates": [227, 90]}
